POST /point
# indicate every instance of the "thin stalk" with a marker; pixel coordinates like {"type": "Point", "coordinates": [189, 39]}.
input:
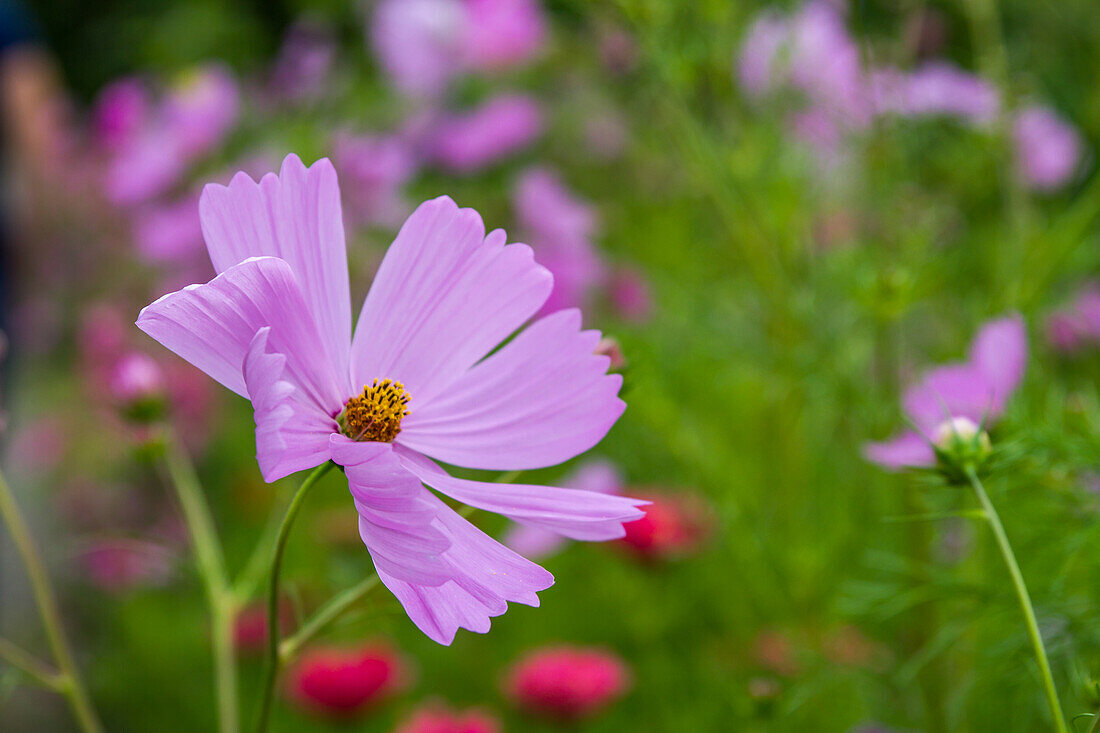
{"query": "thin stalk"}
{"type": "Point", "coordinates": [1022, 595]}
{"type": "Point", "coordinates": [69, 681]}
{"type": "Point", "coordinates": [211, 566]}
{"type": "Point", "coordinates": [268, 692]}
{"type": "Point", "coordinates": [38, 671]}
{"type": "Point", "coordinates": [325, 615]}
{"type": "Point", "coordinates": [1095, 727]}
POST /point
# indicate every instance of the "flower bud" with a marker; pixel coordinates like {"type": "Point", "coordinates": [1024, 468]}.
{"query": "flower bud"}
{"type": "Point", "coordinates": [960, 444]}
{"type": "Point", "coordinates": [137, 384]}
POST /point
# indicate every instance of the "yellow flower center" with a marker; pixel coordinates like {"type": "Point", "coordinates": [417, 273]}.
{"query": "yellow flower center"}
{"type": "Point", "coordinates": [376, 414]}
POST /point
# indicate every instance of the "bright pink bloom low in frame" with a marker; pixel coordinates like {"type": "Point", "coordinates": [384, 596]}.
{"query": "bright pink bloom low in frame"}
{"type": "Point", "coordinates": [341, 682]}
{"type": "Point", "coordinates": [414, 382]}
{"type": "Point", "coordinates": [438, 719]}
{"type": "Point", "coordinates": [976, 390]}
{"type": "Point", "coordinates": [468, 141]}
{"type": "Point", "coordinates": [567, 683]}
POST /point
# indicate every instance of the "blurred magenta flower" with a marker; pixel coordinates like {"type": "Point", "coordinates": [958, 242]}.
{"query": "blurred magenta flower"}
{"type": "Point", "coordinates": [467, 141]}
{"type": "Point", "coordinates": [122, 564]}
{"type": "Point", "coordinates": [250, 626]}
{"type": "Point", "coordinates": [144, 167]}
{"type": "Point", "coordinates": [136, 378]}
{"type": "Point", "coordinates": [1078, 323]}
{"type": "Point", "coordinates": [435, 718]}
{"type": "Point", "coordinates": [674, 525]}
{"type": "Point", "coordinates": [121, 109]}
{"type": "Point", "coordinates": [976, 390]}
{"type": "Point", "coordinates": [275, 326]}
{"type": "Point", "coordinates": [343, 682]}
{"type": "Point", "coordinates": [168, 231]}
{"type": "Point", "coordinates": [301, 69]}
{"type": "Point", "coordinates": [560, 228]}
{"type": "Point", "coordinates": [419, 43]}
{"type": "Point", "coordinates": [825, 62]}
{"type": "Point", "coordinates": [375, 170]}
{"type": "Point", "coordinates": [501, 33]}
{"type": "Point", "coordinates": [761, 53]}
{"type": "Point", "coordinates": [567, 683]}
{"type": "Point", "coordinates": [201, 109]}
{"type": "Point", "coordinates": [534, 542]}
{"type": "Point", "coordinates": [1048, 149]}
{"type": "Point", "coordinates": [935, 89]}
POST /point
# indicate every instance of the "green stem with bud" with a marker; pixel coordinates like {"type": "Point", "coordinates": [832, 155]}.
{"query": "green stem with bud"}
{"type": "Point", "coordinates": [273, 658]}
{"type": "Point", "coordinates": [1024, 598]}
{"type": "Point", "coordinates": [68, 681]}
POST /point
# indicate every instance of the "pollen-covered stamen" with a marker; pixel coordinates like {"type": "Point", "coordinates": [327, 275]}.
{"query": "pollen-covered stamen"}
{"type": "Point", "coordinates": [376, 414]}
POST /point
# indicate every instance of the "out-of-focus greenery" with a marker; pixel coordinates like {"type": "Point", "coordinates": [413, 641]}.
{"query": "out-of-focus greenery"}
{"type": "Point", "coordinates": [788, 306]}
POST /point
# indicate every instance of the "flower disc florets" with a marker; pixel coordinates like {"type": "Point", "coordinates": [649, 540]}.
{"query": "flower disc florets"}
{"type": "Point", "coordinates": [376, 414]}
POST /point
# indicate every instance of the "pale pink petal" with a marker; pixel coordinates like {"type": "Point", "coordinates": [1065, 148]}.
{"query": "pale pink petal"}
{"type": "Point", "coordinates": [291, 434]}
{"type": "Point", "coordinates": [212, 326]}
{"type": "Point", "coordinates": [956, 390]}
{"type": "Point", "coordinates": [577, 514]}
{"type": "Point", "coordinates": [999, 352]}
{"type": "Point", "coordinates": [486, 576]}
{"type": "Point", "coordinates": [908, 449]}
{"type": "Point", "coordinates": [532, 542]}
{"type": "Point", "coordinates": [444, 296]}
{"type": "Point", "coordinates": [294, 216]}
{"type": "Point", "coordinates": [397, 515]}
{"type": "Point", "coordinates": [543, 398]}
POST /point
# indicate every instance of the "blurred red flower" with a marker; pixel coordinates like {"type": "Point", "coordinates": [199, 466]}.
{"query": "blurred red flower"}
{"type": "Point", "coordinates": [438, 719]}
{"type": "Point", "coordinates": [342, 682]}
{"type": "Point", "coordinates": [673, 526]}
{"type": "Point", "coordinates": [566, 682]}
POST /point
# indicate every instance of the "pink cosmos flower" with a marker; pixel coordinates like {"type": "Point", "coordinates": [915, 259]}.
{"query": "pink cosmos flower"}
{"type": "Point", "coordinates": [375, 170]}
{"type": "Point", "coordinates": [118, 565]}
{"type": "Point", "coordinates": [1048, 150]}
{"type": "Point", "coordinates": [121, 109]}
{"type": "Point", "coordinates": [567, 682]}
{"type": "Point", "coordinates": [533, 542]}
{"type": "Point", "coordinates": [301, 69]}
{"type": "Point", "coordinates": [415, 382]}
{"type": "Point", "coordinates": [201, 109]}
{"type": "Point", "coordinates": [935, 89]}
{"type": "Point", "coordinates": [757, 65]}
{"type": "Point", "coordinates": [136, 377]}
{"type": "Point", "coordinates": [561, 228]}
{"type": "Point", "coordinates": [468, 141]}
{"type": "Point", "coordinates": [502, 33]}
{"type": "Point", "coordinates": [976, 390]}
{"type": "Point", "coordinates": [342, 682]}
{"type": "Point", "coordinates": [437, 719]}
{"type": "Point", "coordinates": [168, 232]}
{"type": "Point", "coordinates": [419, 43]}
{"type": "Point", "coordinates": [1078, 323]}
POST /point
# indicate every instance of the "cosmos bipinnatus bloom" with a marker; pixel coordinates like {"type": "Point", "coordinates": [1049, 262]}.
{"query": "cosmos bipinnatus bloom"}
{"type": "Point", "coordinates": [418, 382]}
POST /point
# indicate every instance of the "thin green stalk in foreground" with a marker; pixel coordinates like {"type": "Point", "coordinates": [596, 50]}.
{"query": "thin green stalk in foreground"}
{"type": "Point", "coordinates": [325, 615]}
{"type": "Point", "coordinates": [1095, 727]}
{"type": "Point", "coordinates": [1025, 602]}
{"type": "Point", "coordinates": [68, 681]}
{"type": "Point", "coordinates": [211, 566]}
{"type": "Point", "coordinates": [268, 691]}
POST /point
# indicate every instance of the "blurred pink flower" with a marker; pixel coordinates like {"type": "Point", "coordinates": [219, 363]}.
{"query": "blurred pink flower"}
{"type": "Point", "coordinates": [502, 33]}
{"type": "Point", "coordinates": [121, 109]}
{"type": "Point", "coordinates": [201, 109]}
{"type": "Point", "coordinates": [674, 525]}
{"type": "Point", "coordinates": [935, 89]}
{"type": "Point", "coordinates": [1048, 149]}
{"type": "Point", "coordinates": [118, 565]}
{"type": "Point", "coordinates": [102, 335]}
{"type": "Point", "coordinates": [136, 377]}
{"type": "Point", "coordinates": [434, 718]}
{"type": "Point", "coordinates": [977, 390]}
{"type": "Point", "coordinates": [301, 70]}
{"type": "Point", "coordinates": [465, 142]}
{"type": "Point", "coordinates": [374, 170]}
{"type": "Point", "coordinates": [761, 52]}
{"type": "Point", "coordinates": [168, 232]}
{"type": "Point", "coordinates": [567, 683]}
{"type": "Point", "coordinates": [250, 628]}
{"type": "Point", "coordinates": [275, 326]}
{"type": "Point", "coordinates": [419, 43]}
{"type": "Point", "coordinates": [610, 347]}
{"type": "Point", "coordinates": [1078, 323]}
{"type": "Point", "coordinates": [144, 167]}
{"type": "Point", "coordinates": [560, 228]}
{"type": "Point", "coordinates": [535, 542]}
{"type": "Point", "coordinates": [344, 682]}
{"type": "Point", "coordinates": [825, 62]}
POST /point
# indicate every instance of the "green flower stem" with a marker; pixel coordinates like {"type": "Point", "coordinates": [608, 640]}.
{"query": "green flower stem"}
{"type": "Point", "coordinates": [1025, 601]}
{"type": "Point", "coordinates": [33, 668]}
{"type": "Point", "coordinates": [268, 692]}
{"type": "Point", "coordinates": [68, 681]}
{"type": "Point", "coordinates": [211, 566]}
{"type": "Point", "coordinates": [1095, 727]}
{"type": "Point", "coordinates": [325, 615]}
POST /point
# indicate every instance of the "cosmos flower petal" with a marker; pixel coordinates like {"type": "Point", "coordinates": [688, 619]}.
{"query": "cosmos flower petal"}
{"type": "Point", "coordinates": [955, 390]}
{"type": "Point", "coordinates": [212, 327]}
{"type": "Point", "coordinates": [444, 296]}
{"type": "Point", "coordinates": [397, 515]}
{"type": "Point", "coordinates": [294, 216]}
{"type": "Point", "coordinates": [906, 450]}
{"type": "Point", "coordinates": [542, 399]}
{"type": "Point", "coordinates": [486, 576]}
{"type": "Point", "coordinates": [584, 515]}
{"type": "Point", "coordinates": [999, 352]}
{"type": "Point", "coordinates": [291, 435]}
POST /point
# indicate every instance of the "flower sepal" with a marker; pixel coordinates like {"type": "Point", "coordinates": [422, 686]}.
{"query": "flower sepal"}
{"type": "Point", "coordinates": [960, 446]}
